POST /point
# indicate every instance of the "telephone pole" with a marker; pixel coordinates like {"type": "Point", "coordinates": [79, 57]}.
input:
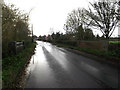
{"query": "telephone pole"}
{"type": "Point", "coordinates": [32, 32]}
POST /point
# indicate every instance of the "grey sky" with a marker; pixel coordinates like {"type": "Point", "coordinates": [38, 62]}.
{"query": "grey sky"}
{"type": "Point", "coordinates": [49, 15]}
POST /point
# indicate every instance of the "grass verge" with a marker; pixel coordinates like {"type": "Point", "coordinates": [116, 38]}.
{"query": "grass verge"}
{"type": "Point", "coordinates": [13, 65]}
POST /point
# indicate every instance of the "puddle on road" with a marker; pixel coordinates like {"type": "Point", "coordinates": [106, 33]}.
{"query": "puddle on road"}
{"type": "Point", "coordinates": [38, 71]}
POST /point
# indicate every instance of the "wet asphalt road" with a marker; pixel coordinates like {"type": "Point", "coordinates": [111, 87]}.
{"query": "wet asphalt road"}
{"type": "Point", "coordinates": [54, 67]}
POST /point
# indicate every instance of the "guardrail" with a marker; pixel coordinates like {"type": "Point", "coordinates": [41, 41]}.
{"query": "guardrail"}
{"type": "Point", "coordinates": [15, 47]}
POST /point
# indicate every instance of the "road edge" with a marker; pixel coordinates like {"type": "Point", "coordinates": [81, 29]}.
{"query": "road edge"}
{"type": "Point", "coordinates": [91, 56]}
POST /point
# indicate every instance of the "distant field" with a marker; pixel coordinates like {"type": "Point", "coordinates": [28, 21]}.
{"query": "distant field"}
{"type": "Point", "coordinates": [114, 41]}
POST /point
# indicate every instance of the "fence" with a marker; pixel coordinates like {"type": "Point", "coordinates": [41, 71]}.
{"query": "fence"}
{"type": "Point", "coordinates": [100, 45]}
{"type": "Point", "coordinates": [15, 47]}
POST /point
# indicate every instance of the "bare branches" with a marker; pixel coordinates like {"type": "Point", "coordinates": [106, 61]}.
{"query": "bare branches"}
{"type": "Point", "coordinates": [105, 16]}
{"type": "Point", "coordinates": [74, 20]}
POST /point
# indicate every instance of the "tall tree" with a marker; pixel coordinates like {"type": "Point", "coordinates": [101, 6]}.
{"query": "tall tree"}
{"type": "Point", "coordinates": [76, 27]}
{"type": "Point", "coordinates": [80, 33]}
{"type": "Point", "coordinates": [104, 15]}
{"type": "Point", "coordinates": [74, 20]}
{"type": "Point", "coordinates": [14, 24]}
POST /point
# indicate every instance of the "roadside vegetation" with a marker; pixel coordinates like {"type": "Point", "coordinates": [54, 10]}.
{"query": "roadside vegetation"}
{"type": "Point", "coordinates": [110, 56]}
{"type": "Point", "coordinates": [14, 65]}
{"type": "Point", "coordinates": [15, 28]}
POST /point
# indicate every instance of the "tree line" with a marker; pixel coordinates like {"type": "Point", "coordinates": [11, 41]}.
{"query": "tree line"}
{"type": "Point", "coordinates": [102, 15]}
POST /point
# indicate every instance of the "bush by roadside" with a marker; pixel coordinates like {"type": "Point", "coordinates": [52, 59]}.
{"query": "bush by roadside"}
{"type": "Point", "coordinates": [13, 65]}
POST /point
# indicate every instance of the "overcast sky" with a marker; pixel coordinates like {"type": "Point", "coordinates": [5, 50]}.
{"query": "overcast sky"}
{"type": "Point", "coordinates": [49, 15]}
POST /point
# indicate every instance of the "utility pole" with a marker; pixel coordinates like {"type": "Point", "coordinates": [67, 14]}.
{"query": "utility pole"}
{"type": "Point", "coordinates": [32, 32]}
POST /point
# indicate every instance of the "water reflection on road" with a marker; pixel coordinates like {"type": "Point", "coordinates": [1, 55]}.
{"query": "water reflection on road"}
{"type": "Point", "coordinates": [53, 67]}
{"type": "Point", "coordinates": [39, 73]}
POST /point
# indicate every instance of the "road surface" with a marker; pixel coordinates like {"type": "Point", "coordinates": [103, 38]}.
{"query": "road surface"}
{"type": "Point", "coordinates": [55, 67]}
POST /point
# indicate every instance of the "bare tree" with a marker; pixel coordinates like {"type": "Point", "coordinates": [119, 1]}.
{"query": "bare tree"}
{"type": "Point", "coordinates": [74, 20]}
{"type": "Point", "coordinates": [104, 15]}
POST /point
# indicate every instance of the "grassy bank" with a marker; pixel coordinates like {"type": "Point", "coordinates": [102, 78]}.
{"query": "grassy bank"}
{"type": "Point", "coordinates": [109, 56]}
{"type": "Point", "coordinates": [13, 65]}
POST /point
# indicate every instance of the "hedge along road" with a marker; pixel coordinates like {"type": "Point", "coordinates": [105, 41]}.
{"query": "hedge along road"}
{"type": "Point", "coordinates": [54, 67]}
